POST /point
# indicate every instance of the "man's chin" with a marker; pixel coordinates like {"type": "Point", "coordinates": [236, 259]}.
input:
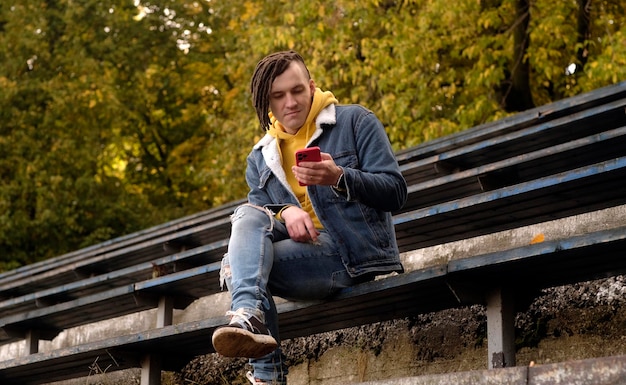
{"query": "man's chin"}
{"type": "Point", "coordinates": [292, 125]}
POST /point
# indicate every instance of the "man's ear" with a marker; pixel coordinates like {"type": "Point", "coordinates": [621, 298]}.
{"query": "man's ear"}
{"type": "Point", "coordinates": [312, 86]}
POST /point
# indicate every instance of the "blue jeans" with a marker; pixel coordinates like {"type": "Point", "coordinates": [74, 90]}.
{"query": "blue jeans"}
{"type": "Point", "coordinates": [262, 258]}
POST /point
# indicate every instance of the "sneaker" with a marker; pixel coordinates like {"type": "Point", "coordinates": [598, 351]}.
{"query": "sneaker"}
{"type": "Point", "coordinates": [245, 336]}
{"type": "Point", "coordinates": [256, 381]}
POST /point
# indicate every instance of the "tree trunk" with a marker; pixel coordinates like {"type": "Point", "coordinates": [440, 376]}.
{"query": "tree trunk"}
{"type": "Point", "coordinates": [518, 96]}
{"type": "Point", "coordinates": [584, 33]}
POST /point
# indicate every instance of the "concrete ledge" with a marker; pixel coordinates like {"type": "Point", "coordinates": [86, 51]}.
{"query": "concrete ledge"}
{"type": "Point", "coordinates": [596, 371]}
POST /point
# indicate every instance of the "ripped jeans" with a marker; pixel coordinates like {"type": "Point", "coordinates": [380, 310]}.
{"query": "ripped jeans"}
{"type": "Point", "coordinates": [261, 259]}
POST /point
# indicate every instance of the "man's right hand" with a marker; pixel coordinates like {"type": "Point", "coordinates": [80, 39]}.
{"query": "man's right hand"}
{"type": "Point", "coordinates": [299, 225]}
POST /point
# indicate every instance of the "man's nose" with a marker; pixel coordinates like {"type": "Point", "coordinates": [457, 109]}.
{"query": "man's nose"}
{"type": "Point", "coordinates": [290, 100]}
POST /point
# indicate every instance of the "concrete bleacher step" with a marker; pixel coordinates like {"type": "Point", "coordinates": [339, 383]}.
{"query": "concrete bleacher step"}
{"type": "Point", "coordinates": [596, 371]}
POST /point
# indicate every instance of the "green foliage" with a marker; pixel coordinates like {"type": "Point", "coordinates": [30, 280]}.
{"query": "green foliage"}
{"type": "Point", "coordinates": [119, 115]}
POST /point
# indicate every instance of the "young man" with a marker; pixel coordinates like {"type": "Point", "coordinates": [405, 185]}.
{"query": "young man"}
{"type": "Point", "coordinates": [307, 231]}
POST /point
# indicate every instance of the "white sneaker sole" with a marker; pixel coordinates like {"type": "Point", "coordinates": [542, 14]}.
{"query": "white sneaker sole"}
{"type": "Point", "coordinates": [236, 342]}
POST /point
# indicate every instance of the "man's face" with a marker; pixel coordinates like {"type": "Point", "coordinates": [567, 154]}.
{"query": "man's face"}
{"type": "Point", "coordinates": [291, 96]}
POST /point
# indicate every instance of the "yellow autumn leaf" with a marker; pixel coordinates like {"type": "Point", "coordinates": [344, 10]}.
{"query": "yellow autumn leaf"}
{"type": "Point", "coordinates": [538, 239]}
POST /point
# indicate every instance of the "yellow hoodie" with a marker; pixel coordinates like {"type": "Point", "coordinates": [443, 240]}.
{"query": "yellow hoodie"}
{"type": "Point", "coordinates": [288, 144]}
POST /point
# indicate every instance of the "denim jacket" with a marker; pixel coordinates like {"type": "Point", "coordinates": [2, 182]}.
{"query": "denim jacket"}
{"type": "Point", "coordinates": [359, 219]}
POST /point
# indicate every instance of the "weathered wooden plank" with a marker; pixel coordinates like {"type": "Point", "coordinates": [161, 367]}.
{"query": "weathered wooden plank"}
{"type": "Point", "coordinates": [119, 242]}
{"type": "Point", "coordinates": [515, 122]}
{"type": "Point", "coordinates": [184, 286]}
{"type": "Point", "coordinates": [581, 190]}
{"type": "Point", "coordinates": [545, 135]}
{"type": "Point", "coordinates": [550, 263]}
{"type": "Point", "coordinates": [116, 260]}
{"type": "Point", "coordinates": [136, 273]}
{"type": "Point", "coordinates": [212, 226]}
{"type": "Point", "coordinates": [526, 167]}
{"type": "Point", "coordinates": [177, 344]}
{"type": "Point", "coordinates": [394, 297]}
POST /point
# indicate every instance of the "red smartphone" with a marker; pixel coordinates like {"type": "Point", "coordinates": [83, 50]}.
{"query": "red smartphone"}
{"type": "Point", "coordinates": [309, 154]}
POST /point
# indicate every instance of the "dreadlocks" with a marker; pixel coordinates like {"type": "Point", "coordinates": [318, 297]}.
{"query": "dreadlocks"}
{"type": "Point", "coordinates": [264, 74]}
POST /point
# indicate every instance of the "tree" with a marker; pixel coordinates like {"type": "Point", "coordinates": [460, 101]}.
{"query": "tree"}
{"type": "Point", "coordinates": [120, 115]}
